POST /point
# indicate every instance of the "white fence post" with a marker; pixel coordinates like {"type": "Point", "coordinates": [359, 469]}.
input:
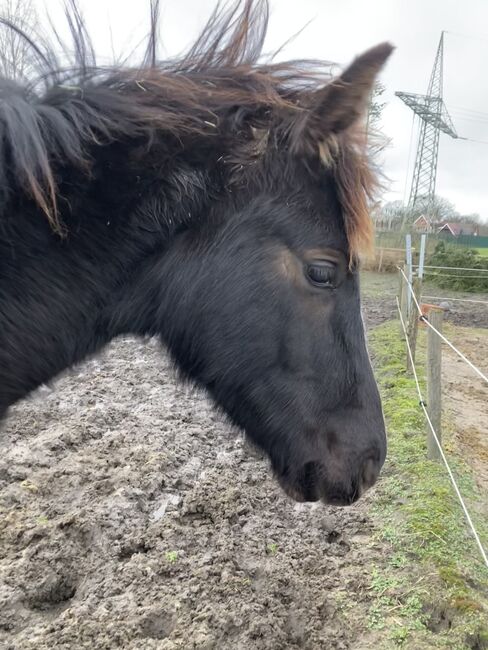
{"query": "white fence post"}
{"type": "Point", "coordinates": [423, 240]}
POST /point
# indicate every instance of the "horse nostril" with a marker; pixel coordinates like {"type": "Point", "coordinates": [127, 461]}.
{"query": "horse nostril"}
{"type": "Point", "coordinates": [370, 473]}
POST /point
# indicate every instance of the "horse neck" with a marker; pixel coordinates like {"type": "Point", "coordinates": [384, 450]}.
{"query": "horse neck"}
{"type": "Point", "coordinates": [61, 300]}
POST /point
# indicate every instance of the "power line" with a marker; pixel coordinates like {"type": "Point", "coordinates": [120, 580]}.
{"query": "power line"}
{"type": "Point", "coordinates": [465, 117]}
{"type": "Point", "coordinates": [463, 109]}
{"type": "Point", "coordinates": [441, 451]}
{"type": "Point", "coordinates": [473, 140]}
{"type": "Point", "coordinates": [468, 36]}
{"type": "Point", "coordinates": [476, 120]}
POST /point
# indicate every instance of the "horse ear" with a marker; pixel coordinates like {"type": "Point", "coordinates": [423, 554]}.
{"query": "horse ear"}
{"type": "Point", "coordinates": [340, 103]}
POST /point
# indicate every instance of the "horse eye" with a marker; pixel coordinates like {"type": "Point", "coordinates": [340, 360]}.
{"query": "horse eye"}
{"type": "Point", "coordinates": [322, 274]}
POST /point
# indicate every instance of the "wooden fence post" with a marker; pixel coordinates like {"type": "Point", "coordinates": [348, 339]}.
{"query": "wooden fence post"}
{"type": "Point", "coordinates": [434, 386]}
{"type": "Point", "coordinates": [380, 263]}
{"type": "Point", "coordinates": [413, 322]}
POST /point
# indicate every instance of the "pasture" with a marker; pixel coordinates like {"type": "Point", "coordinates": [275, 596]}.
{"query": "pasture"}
{"type": "Point", "coordinates": [134, 517]}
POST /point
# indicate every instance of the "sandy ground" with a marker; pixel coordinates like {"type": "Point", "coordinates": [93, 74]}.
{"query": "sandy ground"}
{"type": "Point", "coordinates": [465, 399]}
{"type": "Point", "coordinates": [133, 517]}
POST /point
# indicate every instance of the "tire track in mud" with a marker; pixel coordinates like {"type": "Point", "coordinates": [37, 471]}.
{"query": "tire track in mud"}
{"type": "Point", "coordinates": [133, 517]}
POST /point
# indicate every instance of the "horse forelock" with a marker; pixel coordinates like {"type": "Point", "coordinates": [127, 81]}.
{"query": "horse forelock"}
{"type": "Point", "coordinates": [349, 158]}
{"type": "Point", "coordinates": [217, 93]}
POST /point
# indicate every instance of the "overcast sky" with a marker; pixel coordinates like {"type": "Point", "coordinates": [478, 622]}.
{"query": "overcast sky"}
{"type": "Point", "coordinates": [340, 29]}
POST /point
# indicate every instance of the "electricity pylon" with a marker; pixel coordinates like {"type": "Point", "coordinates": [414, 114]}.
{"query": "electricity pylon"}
{"type": "Point", "coordinates": [434, 119]}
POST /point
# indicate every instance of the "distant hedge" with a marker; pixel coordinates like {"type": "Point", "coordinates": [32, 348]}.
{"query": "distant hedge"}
{"type": "Point", "coordinates": [454, 256]}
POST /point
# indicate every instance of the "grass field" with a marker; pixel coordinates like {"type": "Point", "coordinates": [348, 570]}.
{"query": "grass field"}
{"type": "Point", "coordinates": [429, 590]}
{"type": "Point", "coordinates": [483, 251]}
{"type": "Point", "coordinates": [431, 593]}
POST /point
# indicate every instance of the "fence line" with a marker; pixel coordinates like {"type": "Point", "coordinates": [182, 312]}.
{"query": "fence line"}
{"type": "Point", "coordinates": [455, 268]}
{"type": "Point", "coordinates": [448, 299]}
{"type": "Point", "coordinates": [441, 451]}
{"type": "Point", "coordinates": [434, 274]}
{"type": "Point", "coordinates": [426, 321]}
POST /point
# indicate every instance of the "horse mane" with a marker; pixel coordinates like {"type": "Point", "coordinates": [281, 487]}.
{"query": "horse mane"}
{"type": "Point", "coordinates": [72, 105]}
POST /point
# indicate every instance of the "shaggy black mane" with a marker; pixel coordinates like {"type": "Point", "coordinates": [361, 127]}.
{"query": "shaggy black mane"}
{"type": "Point", "coordinates": [220, 103]}
{"type": "Point", "coordinates": [57, 116]}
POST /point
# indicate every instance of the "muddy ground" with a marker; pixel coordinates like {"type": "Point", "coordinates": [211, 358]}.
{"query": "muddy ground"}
{"type": "Point", "coordinates": [380, 289]}
{"type": "Point", "coordinates": [132, 516]}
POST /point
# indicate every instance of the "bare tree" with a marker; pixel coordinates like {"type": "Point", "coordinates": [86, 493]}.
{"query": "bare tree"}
{"type": "Point", "coordinates": [376, 136]}
{"type": "Point", "coordinates": [15, 53]}
{"type": "Point", "coordinates": [376, 106]}
{"type": "Point", "coordinates": [395, 215]}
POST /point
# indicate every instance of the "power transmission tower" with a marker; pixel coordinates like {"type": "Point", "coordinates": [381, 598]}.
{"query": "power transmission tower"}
{"type": "Point", "coordinates": [434, 119]}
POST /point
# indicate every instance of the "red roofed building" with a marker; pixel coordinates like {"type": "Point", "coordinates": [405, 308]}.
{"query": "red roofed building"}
{"type": "Point", "coordinates": [456, 229]}
{"type": "Point", "coordinates": [422, 224]}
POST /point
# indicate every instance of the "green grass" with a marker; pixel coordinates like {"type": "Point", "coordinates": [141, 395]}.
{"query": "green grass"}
{"type": "Point", "coordinates": [272, 549]}
{"type": "Point", "coordinates": [431, 590]}
{"type": "Point", "coordinates": [482, 251]}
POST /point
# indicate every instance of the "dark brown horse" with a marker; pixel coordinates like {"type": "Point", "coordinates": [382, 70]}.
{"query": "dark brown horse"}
{"type": "Point", "coordinates": [216, 202]}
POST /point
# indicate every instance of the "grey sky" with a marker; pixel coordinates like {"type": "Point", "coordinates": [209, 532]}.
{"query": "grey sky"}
{"type": "Point", "coordinates": [339, 30]}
